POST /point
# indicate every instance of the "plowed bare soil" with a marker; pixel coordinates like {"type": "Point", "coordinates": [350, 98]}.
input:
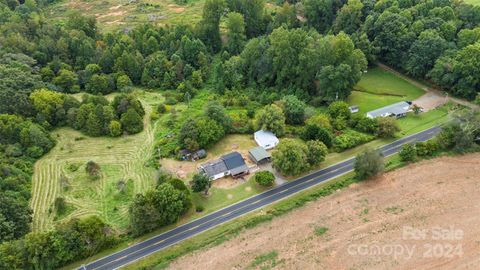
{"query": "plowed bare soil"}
{"type": "Point", "coordinates": [423, 216]}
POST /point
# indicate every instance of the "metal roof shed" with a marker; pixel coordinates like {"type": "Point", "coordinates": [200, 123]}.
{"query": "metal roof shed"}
{"type": "Point", "coordinates": [259, 155]}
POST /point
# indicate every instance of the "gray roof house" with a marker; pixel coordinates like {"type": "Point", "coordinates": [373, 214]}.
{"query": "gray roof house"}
{"type": "Point", "coordinates": [231, 164]}
{"type": "Point", "coordinates": [259, 155]}
{"type": "Point", "coordinates": [397, 110]}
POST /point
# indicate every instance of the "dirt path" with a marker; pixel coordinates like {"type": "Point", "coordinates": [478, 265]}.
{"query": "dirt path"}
{"type": "Point", "coordinates": [434, 96]}
{"type": "Point", "coordinates": [393, 222]}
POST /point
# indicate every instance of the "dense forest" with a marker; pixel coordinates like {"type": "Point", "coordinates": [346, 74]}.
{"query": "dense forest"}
{"type": "Point", "coordinates": [309, 51]}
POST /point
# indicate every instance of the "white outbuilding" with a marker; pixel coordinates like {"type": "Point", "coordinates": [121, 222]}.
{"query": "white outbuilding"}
{"type": "Point", "coordinates": [266, 139]}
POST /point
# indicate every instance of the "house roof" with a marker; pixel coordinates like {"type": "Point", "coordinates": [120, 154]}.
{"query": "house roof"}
{"type": "Point", "coordinates": [233, 160]}
{"type": "Point", "coordinates": [396, 108]}
{"type": "Point", "coordinates": [263, 137]}
{"type": "Point", "coordinates": [235, 163]}
{"type": "Point", "coordinates": [214, 167]}
{"type": "Point", "coordinates": [259, 153]}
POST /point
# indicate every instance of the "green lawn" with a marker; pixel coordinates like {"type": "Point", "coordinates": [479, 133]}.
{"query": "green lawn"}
{"type": "Point", "coordinates": [378, 88]}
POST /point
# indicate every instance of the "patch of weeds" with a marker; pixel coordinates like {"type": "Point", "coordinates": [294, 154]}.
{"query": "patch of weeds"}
{"type": "Point", "coordinates": [393, 210]}
{"type": "Point", "coordinates": [320, 230]}
{"type": "Point", "coordinates": [265, 261]}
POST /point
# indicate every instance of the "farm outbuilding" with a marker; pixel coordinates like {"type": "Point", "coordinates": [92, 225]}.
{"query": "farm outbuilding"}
{"type": "Point", "coordinates": [265, 139]}
{"type": "Point", "coordinates": [259, 155]}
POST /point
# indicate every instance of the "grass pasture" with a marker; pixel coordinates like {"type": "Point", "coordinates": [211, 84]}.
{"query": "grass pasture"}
{"type": "Point", "coordinates": [61, 173]}
{"type": "Point", "coordinates": [378, 88]}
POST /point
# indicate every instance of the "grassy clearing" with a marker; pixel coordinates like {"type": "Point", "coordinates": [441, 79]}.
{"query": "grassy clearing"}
{"type": "Point", "coordinates": [378, 88]}
{"type": "Point", "coordinates": [61, 173]}
{"type": "Point", "coordinates": [115, 14]}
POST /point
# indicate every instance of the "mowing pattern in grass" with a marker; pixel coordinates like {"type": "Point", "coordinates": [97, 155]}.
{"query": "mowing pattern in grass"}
{"type": "Point", "coordinates": [123, 174]}
{"type": "Point", "coordinates": [379, 88]}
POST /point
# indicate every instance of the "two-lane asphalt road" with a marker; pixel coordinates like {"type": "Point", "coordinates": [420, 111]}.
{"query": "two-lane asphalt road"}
{"type": "Point", "coordinates": [185, 231]}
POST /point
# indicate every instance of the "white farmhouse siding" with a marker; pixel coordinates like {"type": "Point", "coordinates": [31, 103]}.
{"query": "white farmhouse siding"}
{"type": "Point", "coordinates": [266, 139]}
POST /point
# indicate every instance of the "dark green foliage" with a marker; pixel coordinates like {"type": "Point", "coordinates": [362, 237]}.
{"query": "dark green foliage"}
{"type": "Point", "coordinates": [201, 183]}
{"type": "Point", "coordinates": [156, 208]}
{"type": "Point", "coordinates": [215, 111]}
{"type": "Point", "coordinates": [364, 124]}
{"type": "Point", "coordinates": [60, 205]}
{"type": "Point", "coordinates": [93, 169]}
{"type": "Point", "coordinates": [199, 133]}
{"type": "Point", "coordinates": [271, 118]}
{"type": "Point", "coordinates": [131, 121]}
{"type": "Point", "coordinates": [316, 152]}
{"type": "Point", "coordinates": [49, 250]}
{"type": "Point", "coordinates": [350, 139]}
{"type": "Point", "coordinates": [265, 178]}
{"type": "Point", "coordinates": [290, 157]}
{"type": "Point", "coordinates": [209, 27]}
{"type": "Point", "coordinates": [387, 127]}
{"type": "Point", "coordinates": [236, 33]}
{"type": "Point", "coordinates": [369, 163]}
{"type": "Point", "coordinates": [253, 12]}
{"type": "Point", "coordinates": [408, 152]}
{"type": "Point", "coordinates": [294, 110]}
{"type": "Point", "coordinates": [314, 132]}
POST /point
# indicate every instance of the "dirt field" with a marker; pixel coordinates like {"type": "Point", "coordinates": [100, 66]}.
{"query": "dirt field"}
{"type": "Point", "coordinates": [424, 216]}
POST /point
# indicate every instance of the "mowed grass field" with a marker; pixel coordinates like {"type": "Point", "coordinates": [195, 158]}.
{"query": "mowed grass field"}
{"type": "Point", "coordinates": [378, 88]}
{"type": "Point", "coordinates": [61, 173]}
{"type": "Point", "coordinates": [114, 14]}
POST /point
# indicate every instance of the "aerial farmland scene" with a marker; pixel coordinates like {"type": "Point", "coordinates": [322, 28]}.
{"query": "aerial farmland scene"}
{"type": "Point", "coordinates": [239, 134]}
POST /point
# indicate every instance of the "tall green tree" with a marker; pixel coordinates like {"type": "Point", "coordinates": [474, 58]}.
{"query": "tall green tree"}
{"type": "Point", "coordinates": [271, 118]}
{"type": "Point", "coordinates": [235, 33]}
{"type": "Point", "coordinates": [209, 26]}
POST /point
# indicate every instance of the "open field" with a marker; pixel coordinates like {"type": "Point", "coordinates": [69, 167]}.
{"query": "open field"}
{"type": "Point", "coordinates": [378, 88]}
{"type": "Point", "coordinates": [114, 14]}
{"type": "Point", "coordinates": [435, 193]}
{"type": "Point", "coordinates": [61, 173]}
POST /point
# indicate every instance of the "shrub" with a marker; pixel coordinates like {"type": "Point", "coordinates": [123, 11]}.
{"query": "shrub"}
{"type": "Point", "coordinates": [92, 169]}
{"type": "Point", "coordinates": [316, 152]}
{"type": "Point", "coordinates": [408, 152]}
{"type": "Point", "coordinates": [369, 163]}
{"type": "Point", "coordinates": [60, 205]}
{"type": "Point", "coordinates": [350, 139]}
{"type": "Point", "coordinates": [115, 128]}
{"type": "Point", "coordinates": [171, 101]}
{"type": "Point", "coordinates": [427, 148]}
{"type": "Point", "coordinates": [201, 182]}
{"type": "Point", "coordinates": [387, 127]}
{"type": "Point", "coordinates": [161, 108]}
{"type": "Point", "coordinates": [264, 178]}
{"type": "Point", "coordinates": [314, 132]}
{"type": "Point", "coordinates": [199, 208]}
